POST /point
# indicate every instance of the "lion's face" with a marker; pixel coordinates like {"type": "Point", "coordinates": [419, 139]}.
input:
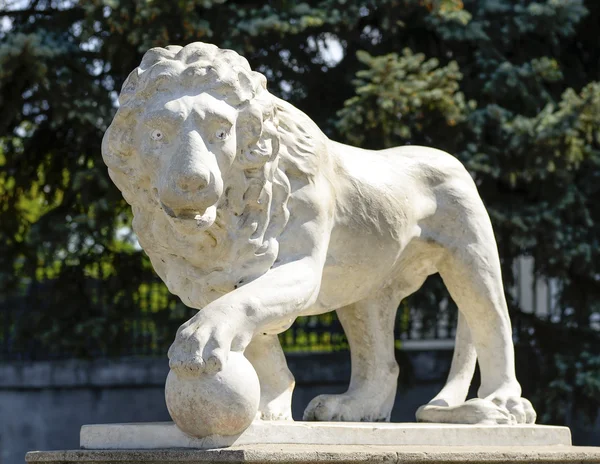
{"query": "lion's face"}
{"type": "Point", "coordinates": [186, 144]}
{"type": "Point", "coordinates": [194, 148]}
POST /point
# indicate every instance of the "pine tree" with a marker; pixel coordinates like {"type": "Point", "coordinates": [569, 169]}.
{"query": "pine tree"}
{"type": "Point", "coordinates": [510, 87]}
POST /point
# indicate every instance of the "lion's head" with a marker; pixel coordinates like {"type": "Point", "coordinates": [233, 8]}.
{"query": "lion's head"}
{"type": "Point", "coordinates": [194, 149]}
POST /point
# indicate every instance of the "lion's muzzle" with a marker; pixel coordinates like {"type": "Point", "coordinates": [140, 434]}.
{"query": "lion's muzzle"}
{"type": "Point", "coordinates": [191, 185]}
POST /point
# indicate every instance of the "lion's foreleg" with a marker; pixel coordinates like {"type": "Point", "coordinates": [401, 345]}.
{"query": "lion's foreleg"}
{"type": "Point", "coordinates": [276, 380]}
{"type": "Point", "coordinates": [229, 323]}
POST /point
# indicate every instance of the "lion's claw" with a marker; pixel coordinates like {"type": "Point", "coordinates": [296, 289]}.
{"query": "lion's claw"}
{"type": "Point", "coordinates": [274, 416]}
{"type": "Point", "coordinates": [202, 345]}
{"type": "Point", "coordinates": [215, 362]}
{"type": "Point", "coordinates": [520, 408]}
{"type": "Point", "coordinates": [186, 367]}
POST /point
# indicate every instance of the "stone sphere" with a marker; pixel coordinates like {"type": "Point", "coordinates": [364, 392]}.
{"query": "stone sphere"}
{"type": "Point", "coordinates": [224, 403]}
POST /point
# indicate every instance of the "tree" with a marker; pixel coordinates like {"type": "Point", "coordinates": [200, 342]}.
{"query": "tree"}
{"type": "Point", "coordinates": [508, 86]}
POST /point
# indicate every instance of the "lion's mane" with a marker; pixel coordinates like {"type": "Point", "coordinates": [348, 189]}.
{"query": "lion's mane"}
{"type": "Point", "coordinates": [253, 211]}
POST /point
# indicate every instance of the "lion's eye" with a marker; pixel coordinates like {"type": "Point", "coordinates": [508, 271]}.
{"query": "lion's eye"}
{"type": "Point", "coordinates": [157, 134]}
{"type": "Point", "coordinates": [221, 134]}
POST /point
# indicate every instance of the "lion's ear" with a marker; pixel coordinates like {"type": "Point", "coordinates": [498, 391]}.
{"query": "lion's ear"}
{"type": "Point", "coordinates": [249, 126]}
{"type": "Point", "coordinates": [129, 86]}
{"type": "Point", "coordinates": [117, 141]}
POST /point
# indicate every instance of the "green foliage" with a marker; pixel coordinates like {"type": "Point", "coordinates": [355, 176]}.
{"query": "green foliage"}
{"type": "Point", "coordinates": [564, 372]}
{"type": "Point", "coordinates": [398, 95]}
{"type": "Point", "coordinates": [576, 384]}
{"type": "Point", "coordinates": [511, 87]}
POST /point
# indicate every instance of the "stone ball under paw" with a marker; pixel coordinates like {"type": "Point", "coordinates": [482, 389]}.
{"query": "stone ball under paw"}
{"type": "Point", "coordinates": [224, 403]}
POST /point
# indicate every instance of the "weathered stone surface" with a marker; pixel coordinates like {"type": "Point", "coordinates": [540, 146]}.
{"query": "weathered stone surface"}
{"type": "Point", "coordinates": [306, 454]}
{"type": "Point", "coordinates": [167, 435]}
{"type": "Point", "coordinates": [252, 215]}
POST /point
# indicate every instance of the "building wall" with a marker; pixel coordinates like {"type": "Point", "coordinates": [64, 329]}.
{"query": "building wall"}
{"type": "Point", "coordinates": [44, 404]}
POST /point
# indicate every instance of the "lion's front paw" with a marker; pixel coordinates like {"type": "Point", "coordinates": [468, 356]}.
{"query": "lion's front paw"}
{"type": "Point", "coordinates": [347, 408]}
{"type": "Point", "coordinates": [274, 415]}
{"type": "Point", "coordinates": [279, 408]}
{"type": "Point", "coordinates": [202, 344]}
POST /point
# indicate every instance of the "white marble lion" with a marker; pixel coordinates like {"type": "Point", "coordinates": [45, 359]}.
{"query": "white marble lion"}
{"type": "Point", "coordinates": [252, 215]}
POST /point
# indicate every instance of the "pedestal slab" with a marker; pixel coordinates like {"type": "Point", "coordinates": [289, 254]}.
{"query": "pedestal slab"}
{"type": "Point", "coordinates": [312, 454]}
{"type": "Point", "coordinates": [166, 435]}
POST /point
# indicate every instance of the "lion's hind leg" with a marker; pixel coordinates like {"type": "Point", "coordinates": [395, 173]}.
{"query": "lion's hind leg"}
{"type": "Point", "coordinates": [471, 272]}
{"type": "Point", "coordinates": [449, 405]}
{"type": "Point", "coordinates": [276, 380]}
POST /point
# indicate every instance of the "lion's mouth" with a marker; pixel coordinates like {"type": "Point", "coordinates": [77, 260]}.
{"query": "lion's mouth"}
{"type": "Point", "coordinates": [191, 218]}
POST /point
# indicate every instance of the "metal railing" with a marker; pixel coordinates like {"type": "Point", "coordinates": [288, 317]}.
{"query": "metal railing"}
{"type": "Point", "coordinates": [36, 325]}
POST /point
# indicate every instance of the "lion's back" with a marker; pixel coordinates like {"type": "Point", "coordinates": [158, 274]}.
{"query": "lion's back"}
{"type": "Point", "coordinates": [431, 166]}
{"type": "Point", "coordinates": [404, 171]}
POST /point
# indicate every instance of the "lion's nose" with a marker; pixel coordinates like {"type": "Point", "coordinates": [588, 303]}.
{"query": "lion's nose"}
{"type": "Point", "coordinates": [192, 181]}
{"type": "Point", "coordinates": [189, 190]}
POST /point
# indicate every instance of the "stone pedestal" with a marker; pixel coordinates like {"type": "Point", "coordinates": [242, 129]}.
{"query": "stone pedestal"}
{"type": "Point", "coordinates": [163, 435]}
{"type": "Point", "coordinates": [315, 442]}
{"type": "Point", "coordinates": [305, 454]}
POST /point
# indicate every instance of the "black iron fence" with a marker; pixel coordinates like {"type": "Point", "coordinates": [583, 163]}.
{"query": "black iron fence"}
{"type": "Point", "coordinates": [39, 322]}
{"type": "Point", "coordinates": [36, 324]}
{"type": "Point", "coordinates": [91, 320]}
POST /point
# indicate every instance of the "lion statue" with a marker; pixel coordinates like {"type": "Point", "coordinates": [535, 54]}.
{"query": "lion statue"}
{"type": "Point", "coordinates": [250, 214]}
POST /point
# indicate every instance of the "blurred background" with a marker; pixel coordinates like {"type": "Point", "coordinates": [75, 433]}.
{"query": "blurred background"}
{"type": "Point", "coordinates": [510, 87]}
